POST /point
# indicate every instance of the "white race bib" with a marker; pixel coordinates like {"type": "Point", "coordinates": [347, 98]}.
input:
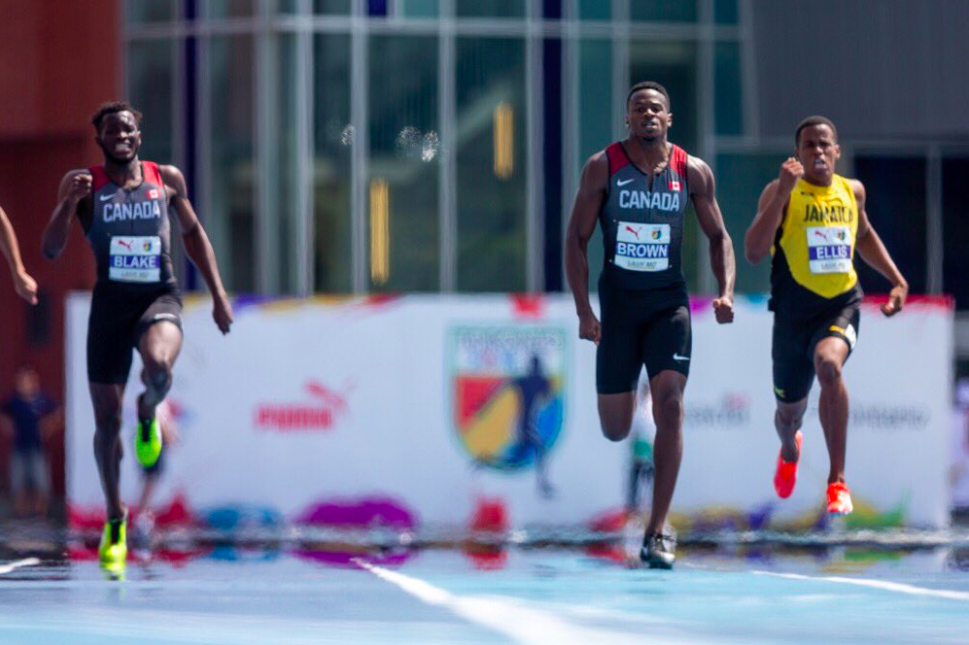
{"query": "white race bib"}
{"type": "Point", "coordinates": [643, 247]}
{"type": "Point", "coordinates": [829, 249]}
{"type": "Point", "coordinates": [135, 259]}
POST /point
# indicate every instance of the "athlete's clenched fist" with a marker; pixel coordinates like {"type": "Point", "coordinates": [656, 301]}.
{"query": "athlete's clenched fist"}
{"type": "Point", "coordinates": [791, 171]}
{"type": "Point", "coordinates": [80, 187]}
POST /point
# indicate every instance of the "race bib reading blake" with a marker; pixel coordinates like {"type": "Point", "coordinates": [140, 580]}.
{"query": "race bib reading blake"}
{"type": "Point", "coordinates": [135, 259]}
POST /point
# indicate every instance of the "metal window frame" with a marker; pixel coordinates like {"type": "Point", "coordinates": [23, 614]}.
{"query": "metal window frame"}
{"type": "Point", "coordinates": [266, 26]}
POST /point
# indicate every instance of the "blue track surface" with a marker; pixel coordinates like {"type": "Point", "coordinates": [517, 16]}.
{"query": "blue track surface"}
{"type": "Point", "coordinates": [839, 595]}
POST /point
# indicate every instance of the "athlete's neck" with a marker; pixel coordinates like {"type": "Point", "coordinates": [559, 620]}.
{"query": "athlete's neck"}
{"type": "Point", "coordinates": [652, 154]}
{"type": "Point", "coordinates": [123, 173]}
{"type": "Point", "coordinates": [820, 182]}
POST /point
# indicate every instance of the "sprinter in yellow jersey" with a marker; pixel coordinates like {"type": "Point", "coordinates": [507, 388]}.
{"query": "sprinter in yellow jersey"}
{"type": "Point", "coordinates": [812, 221]}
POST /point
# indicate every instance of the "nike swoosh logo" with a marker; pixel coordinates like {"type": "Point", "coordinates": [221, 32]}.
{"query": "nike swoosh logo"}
{"type": "Point", "coordinates": [677, 357]}
{"type": "Point", "coordinates": [105, 198]}
{"type": "Point", "coordinates": [623, 183]}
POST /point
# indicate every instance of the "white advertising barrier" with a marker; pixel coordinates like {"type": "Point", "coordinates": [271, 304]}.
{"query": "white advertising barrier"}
{"type": "Point", "coordinates": [420, 399]}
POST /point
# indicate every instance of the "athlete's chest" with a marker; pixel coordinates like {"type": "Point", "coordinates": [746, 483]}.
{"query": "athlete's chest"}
{"type": "Point", "coordinates": [633, 192]}
{"type": "Point", "coordinates": [116, 205]}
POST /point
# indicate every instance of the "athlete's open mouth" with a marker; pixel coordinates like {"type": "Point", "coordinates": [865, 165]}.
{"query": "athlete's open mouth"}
{"type": "Point", "coordinates": [820, 164]}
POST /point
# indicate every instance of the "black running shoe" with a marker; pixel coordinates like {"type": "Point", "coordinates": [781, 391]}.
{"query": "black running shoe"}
{"type": "Point", "coordinates": [657, 551]}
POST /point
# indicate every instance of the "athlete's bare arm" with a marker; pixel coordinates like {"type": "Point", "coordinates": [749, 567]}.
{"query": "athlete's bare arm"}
{"type": "Point", "coordinates": [582, 224]}
{"type": "Point", "coordinates": [197, 244]}
{"type": "Point", "coordinates": [72, 201]}
{"type": "Point", "coordinates": [22, 282]}
{"type": "Point", "coordinates": [872, 251]}
{"type": "Point", "coordinates": [704, 193]}
{"type": "Point", "coordinates": [770, 211]}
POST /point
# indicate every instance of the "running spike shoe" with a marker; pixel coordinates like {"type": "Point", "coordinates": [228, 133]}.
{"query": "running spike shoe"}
{"type": "Point", "coordinates": [148, 442]}
{"type": "Point", "coordinates": [657, 551]}
{"type": "Point", "coordinates": [113, 550]}
{"type": "Point", "coordinates": [839, 499]}
{"type": "Point", "coordinates": [786, 474]}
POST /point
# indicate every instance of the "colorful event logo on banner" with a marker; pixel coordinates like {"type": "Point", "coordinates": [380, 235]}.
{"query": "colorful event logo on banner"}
{"type": "Point", "coordinates": [506, 391]}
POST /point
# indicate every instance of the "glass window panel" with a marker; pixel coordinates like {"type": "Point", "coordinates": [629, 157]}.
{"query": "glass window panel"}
{"type": "Point", "coordinates": [955, 229]}
{"type": "Point", "coordinates": [896, 192]}
{"type": "Point", "coordinates": [232, 164]}
{"type": "Point", "coordinates": [596, 119]}
{"type": "Point", "coordinates": [728, 93]}
{"type": "Point", "coordinates": [333, 137]}
{"type": "Point", "coordinates": [725, 12]}
{"type": "Point", "coordinates": [740, 180]}
{"type": "Point", "coordinates": [663, 10]}
{"type": "Point", "coordinates": [332, 7]}
{"type": "Point", "coordinates": [403, 164]}
{"type": "Point", "coordinates": [145, 11]}
{"type": "Point", "coordinates": [417, 8]}
{"type": "Point", "coordinates": [228, 8]}
{"type": "Point", "coordinates": [595, 10]}
{"type": "Point", "coordinates": [286, 178]}
{"type": "Point", "coordinates": [491, 155]}
{"type": "Point", "coordinates": [151, 83]}
{"type": "Point", "coordinates": [490, 8]}
{"type": "Point", "coordinates": [673, 65]}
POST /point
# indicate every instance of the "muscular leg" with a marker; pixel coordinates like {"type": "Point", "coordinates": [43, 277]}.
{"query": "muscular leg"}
{"type": "Point", "coordinates": [107, 398]}
{"type": "Point", "coordinates": [787, 421]}
{"type": "Point", "coordinates": [829, 357]}
{"type": "Point", "coordinates": [667, 388]}
{"type": "Point", "coordinates": [616, 414]}
{"type": "Point", "coordinates": [159, 347]}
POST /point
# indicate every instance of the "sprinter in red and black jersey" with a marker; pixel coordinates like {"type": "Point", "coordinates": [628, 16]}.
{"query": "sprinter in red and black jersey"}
{"type": "Point", "coordinates": [124, 207]}
{"type": "Point", "coordinates": [637, 191]}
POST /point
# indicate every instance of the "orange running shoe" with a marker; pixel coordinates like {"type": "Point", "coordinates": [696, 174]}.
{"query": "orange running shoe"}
{"type": "Point", "coordinates": [786, 474]}
{"type": "Point", "coordinates": [839, 499]}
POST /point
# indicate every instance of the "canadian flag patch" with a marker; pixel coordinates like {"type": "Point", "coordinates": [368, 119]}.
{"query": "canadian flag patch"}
{"type": "Point", "coordinates": [153, 193]}
{"type": "Point", "coordinates": [674, 185]}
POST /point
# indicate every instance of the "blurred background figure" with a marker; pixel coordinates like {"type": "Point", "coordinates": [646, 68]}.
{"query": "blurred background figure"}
{"type": "Point", "coordinates": [30, 418]}
{"type": "Point", "coordinates": [960, 451]}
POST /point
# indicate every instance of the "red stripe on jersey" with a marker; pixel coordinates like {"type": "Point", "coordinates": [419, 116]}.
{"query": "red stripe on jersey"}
{"type": "Point", "coordinates": [678, 162]}
{"type": "Point", "coordinates": [98, 178]}
{"type": "Point", "coordinates": [152, 174]}
{"type": "Point", "coordinates": [618, 159]}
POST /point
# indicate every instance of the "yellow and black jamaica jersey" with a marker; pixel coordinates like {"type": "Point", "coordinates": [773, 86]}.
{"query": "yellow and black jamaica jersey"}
{"type": "Point", "coordinates": [812, 268]}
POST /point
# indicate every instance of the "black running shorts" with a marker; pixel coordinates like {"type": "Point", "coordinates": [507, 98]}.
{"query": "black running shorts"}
{"type": "Point", "coordinates": [118, 319]}
{"type": "Point", "coordinates": [794, 343]}
{"type": "Point", "coordinates": [642, 327]}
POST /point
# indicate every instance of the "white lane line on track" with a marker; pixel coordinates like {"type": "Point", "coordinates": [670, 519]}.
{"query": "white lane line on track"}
{"type": "Point", "coordinates": [13, 566]}
{"type": "Point", "coordinates": [884, 585]}
{"type": "Point", "coordinates": [506, 616]}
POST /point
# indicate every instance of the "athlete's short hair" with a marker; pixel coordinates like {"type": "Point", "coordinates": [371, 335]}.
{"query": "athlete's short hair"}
{"type": "Point", "coordinates": [648, 85]}
{"type": "Point", "coordinates": [113, 107]}
{"type": "Point", "coordinates": [811, 121]}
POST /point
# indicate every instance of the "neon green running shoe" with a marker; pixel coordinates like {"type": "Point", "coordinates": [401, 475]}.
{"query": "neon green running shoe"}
{"type": "Point", "coordinates": [113, 549]}
{"type": "Point", "coordinates": [148, 442]}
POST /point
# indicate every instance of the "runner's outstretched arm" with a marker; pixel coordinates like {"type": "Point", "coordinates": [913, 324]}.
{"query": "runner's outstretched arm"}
{"type": "Point", "coordinates": [873, 251]}
{"type": "Point", "coordinates": [722, 261]}
{"type": "Point", "coordinates": [22, 282]}
{"type": "Point", "coordinates": [74, 188]}
{"type": "Point", "coordinates": [197, 245]}
{"type": "Point", "coordinates": [770, 211]}
{"type": "Point", "coordinates": [582, 224]}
